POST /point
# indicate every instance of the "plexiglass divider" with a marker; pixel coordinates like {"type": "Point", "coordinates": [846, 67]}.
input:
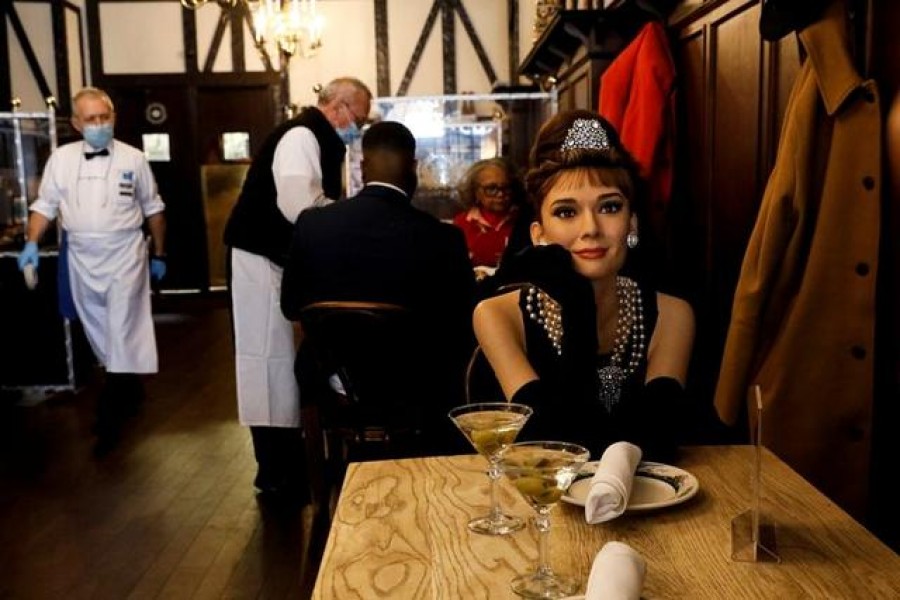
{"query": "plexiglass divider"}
{"type": "Point", "coordinates": [752, 532]}
{"type": "Point", "coordinates": [454, 131]}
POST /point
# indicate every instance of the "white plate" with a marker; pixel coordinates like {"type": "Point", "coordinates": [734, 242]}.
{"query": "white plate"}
{"type": "Point", "coordinates": [656, 485]}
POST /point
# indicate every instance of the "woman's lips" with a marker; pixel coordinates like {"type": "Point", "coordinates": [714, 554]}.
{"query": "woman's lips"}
{"type": "Point", "coordinates": [591, 253]}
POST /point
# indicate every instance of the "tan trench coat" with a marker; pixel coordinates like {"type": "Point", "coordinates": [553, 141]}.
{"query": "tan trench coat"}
{"type": "Point", "coordinates": [803, 319]}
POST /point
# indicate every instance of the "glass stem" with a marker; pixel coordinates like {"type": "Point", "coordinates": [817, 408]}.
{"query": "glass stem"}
{"type": "Point", "coordinates": [542, 524]}
{"type": "Point", "coordinates": [494, 473]}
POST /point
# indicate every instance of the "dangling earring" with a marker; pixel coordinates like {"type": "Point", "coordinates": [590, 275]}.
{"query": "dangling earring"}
{"type": "Point", "coordinates": [631, 240]}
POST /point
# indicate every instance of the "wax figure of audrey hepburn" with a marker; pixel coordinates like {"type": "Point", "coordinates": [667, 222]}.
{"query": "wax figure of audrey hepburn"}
{"type": "Point", "coordinates": [582, 335]}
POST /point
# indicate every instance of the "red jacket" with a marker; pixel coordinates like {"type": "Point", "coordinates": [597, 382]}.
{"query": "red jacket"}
{"type": "Point", "coordinates": [486, 243]}
{"type": "Point", "coordinates": [637, 96]}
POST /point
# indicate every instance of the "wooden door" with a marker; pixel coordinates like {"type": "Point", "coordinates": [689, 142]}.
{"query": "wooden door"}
{"type": "Point", "coordinates": [194, 119]}
{"type": "Point", "coordinates": [224, 110]}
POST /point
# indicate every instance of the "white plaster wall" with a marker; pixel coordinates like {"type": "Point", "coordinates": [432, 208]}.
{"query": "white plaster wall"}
{"type": "Point", "coordinates": [207, 18]}
{"type": "Point", "coordinates": [141, 37]}
{"type": "Point", "coordinates": [348, 49]}
{"type": "Point", "coordinates": [146, 37]}
{"type": "Point", "coordinates": [36, 20]}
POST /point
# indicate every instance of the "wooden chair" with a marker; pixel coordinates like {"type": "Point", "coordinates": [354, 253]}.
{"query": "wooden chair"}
{"type": "Point", "coordinates": [481, 383]}
{"type": "Point", "coordinates": [373, 351]}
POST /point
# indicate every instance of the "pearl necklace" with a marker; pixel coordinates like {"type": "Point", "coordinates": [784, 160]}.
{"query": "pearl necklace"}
{"type": "Point", "coordinates": [629, 333]}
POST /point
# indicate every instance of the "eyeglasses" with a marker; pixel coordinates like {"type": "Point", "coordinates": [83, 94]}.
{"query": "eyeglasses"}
{"type": "Point", "coordinates": [360, 121]}
{"type": "Point", "coordinates": [493, 190]}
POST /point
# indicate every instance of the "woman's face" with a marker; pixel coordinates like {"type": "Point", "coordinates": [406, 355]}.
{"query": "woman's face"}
{"type": "Point", "coordinates": [492, 191]}
{"type": "Point", "coordinates": [590, 220]}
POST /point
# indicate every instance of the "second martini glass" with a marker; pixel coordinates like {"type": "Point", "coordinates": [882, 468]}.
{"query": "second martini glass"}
{"type": "Point", "coordinates": [542, 472]}
{"type": "Point", "coordinates": [492, 427]}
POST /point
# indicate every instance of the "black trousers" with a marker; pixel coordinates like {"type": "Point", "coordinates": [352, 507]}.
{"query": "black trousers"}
{"type": "Point", "coordinates": [119, 399]}
{"type": "Point", "coordinates": [281, 459]}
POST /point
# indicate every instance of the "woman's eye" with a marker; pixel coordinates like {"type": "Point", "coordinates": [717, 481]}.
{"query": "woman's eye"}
{"type": "Point", "coordinates": [564, 212]}
{"type": "Point", "coordinates": [611, 206]}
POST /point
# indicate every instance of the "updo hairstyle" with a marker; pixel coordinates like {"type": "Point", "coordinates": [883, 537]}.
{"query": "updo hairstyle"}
{"type": "Point", "coordinates": [611, 166]}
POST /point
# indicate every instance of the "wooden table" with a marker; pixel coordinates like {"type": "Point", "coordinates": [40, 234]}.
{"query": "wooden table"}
{"type": "Point", "coordinates": [399, 531]}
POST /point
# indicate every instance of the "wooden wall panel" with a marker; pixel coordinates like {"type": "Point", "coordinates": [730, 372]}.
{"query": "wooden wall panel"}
{"type": "Point", "coordinates": [690, 202]}
{"type": "Point", "coordinates": [733, 89]}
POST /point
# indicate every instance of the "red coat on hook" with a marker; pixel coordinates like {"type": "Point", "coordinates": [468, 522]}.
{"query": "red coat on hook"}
{"type": "Point", "coordinates": [637, 96]}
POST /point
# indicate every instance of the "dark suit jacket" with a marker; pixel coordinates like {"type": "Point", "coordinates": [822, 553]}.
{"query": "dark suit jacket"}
{"type": "Point", "coordinates": [377, 247]}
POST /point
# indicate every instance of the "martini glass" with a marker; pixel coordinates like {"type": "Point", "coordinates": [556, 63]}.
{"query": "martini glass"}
{"type": "Point", "coordinates": [492, 427]}
{"type": "Point", "coordinates": [542, 472]}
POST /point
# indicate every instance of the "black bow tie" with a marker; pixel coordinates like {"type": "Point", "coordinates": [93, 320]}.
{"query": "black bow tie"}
{"type": "Point", "coordinates": [101, 152]}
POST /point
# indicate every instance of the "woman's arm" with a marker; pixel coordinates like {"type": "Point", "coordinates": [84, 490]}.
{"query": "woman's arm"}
{"type": "Point", "coordinates": [501, 334]}
{"type": "Point", "coordinates": [669, 354]}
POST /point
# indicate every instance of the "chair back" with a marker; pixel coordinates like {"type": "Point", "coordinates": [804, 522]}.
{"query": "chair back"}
{"type": "Point", "coordinates": [374, 351]}
{"type": "Point", "coordinates": [481, 382]}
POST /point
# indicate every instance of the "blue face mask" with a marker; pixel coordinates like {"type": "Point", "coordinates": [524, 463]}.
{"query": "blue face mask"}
{"type": "Point", "coordinates": [98, 136]}
{"type": "Point", "coordinates": [348, 134]}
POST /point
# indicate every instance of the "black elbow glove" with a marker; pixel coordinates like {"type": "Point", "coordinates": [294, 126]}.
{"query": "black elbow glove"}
{"type": "Point", "coordinates": [658, 415]}
{"type": "Point", "coordinates": [536, 395]}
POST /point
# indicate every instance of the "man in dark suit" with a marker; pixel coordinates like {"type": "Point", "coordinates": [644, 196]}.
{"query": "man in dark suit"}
{"type": "Point", "coordinates": [377, 247]}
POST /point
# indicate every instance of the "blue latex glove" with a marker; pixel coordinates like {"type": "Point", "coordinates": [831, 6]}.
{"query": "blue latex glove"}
{"type": "Point", "coordinates": [157, 269]}
{"type": "Point", "coordinates": [28, 255]}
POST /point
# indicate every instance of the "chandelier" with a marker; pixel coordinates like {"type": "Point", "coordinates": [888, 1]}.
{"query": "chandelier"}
{"type": "Point", "coordinates": [294, 26]}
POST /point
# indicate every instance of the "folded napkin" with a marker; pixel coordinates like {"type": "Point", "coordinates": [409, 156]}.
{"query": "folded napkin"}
{"type": "Point", "coordinates": [611, 484]}
{"type": "Point", "coordinates": [617, 574]}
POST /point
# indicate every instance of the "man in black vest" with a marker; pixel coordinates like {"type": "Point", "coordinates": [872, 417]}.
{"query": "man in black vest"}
{"type": "Point", "coordinates": [377, 247]}
{"type": "Point", "coordinates": [298, 166]}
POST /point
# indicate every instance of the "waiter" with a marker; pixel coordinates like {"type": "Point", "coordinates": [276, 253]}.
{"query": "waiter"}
{"type": "Point", "coordinates": [299, 165]}
{"type": "Point", "coordinates": [103, 191]}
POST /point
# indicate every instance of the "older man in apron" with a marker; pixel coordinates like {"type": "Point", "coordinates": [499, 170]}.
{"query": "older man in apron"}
{"type": "Point", "coordinates": [298, 165]}
{"type": "Point", "coordinates": [103, 190]}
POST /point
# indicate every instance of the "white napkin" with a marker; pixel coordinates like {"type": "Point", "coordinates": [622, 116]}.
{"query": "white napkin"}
{"type": "Point", "coordinates": [611, 484]}
{"type": "Point", "coordinates": [617, 573]}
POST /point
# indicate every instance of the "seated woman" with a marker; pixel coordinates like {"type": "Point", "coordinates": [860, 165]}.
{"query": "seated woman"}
{"type": "Point", "coordinates": [491, 193]}
{"type": "Point", "coordinates": [601, 356]}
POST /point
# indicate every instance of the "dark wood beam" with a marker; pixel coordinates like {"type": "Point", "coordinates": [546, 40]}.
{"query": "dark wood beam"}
{"type": "Point", "coordinates": [448, 39]}
{"type": "Point", "coordinates": [237, 37]}
{"type": "Point", "coordinates": [382, 45]}
{"type": "Point", "coordinates": [189, 28]}
{"type": "Point", "coordinates": [420, 47]}
{"type": "Point", "coordinates": [512, 12]}
{"type": "Point", "coordinates": [96, 50]}
{"type": "Point", "coordinates": [61, 55]}
{"type": "Point", "coordinates": [28, 51]}
{"type": "Point", "coordinates": [200, 79]}
{"type": "Point", "coordinates": [260, 47]}
{"type": "Point", "coordinates": [5, 74]}
{"type": "Point", "coordinates": [216, 41]}
{"type": "Point", "coordinates": [476, 41]}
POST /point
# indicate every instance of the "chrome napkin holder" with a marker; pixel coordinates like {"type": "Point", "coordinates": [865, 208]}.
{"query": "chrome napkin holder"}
{"type": "Point", "coordinates": [752, 533]}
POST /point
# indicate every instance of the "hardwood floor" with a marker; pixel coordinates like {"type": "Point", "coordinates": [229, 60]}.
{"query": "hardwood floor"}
{"type": "Point", "coordinates": [169, 513]}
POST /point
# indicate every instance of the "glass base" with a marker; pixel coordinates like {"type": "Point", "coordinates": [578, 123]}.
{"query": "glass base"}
{"type": "Point", "coordinates": [501, 525]}
{"type": "Point", "coordinates": [545, 585]}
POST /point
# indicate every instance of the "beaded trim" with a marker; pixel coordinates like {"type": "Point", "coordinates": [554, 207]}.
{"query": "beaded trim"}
{"type": "Point", "coordinates": [629, 335]}
{"type": "Point", "coordinates": [546, 312]}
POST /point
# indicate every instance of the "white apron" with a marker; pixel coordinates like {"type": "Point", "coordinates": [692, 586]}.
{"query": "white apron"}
{"type": "Point", "coordinates": [264, 344]}
{"type": "Point", "coordinates": [111, 288]}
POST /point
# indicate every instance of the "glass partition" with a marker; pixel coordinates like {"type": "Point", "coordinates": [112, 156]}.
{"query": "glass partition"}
{"type": "Point", "coordinates": [454, 131]}
{"type": "Point", "coordinates": [26, 140]}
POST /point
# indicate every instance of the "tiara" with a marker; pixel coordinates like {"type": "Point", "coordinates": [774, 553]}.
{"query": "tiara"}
{"type": "Point", "coordinates": [587, 134]}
